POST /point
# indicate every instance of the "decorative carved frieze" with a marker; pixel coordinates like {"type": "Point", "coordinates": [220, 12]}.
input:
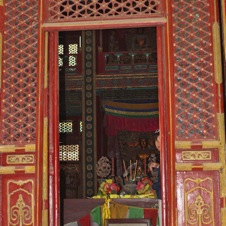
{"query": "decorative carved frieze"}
{"type": "Point", "coordinates": [20, 159]}
{"type": "Point", "coordinates": [60, 11]}
{"type": "Point", "coordinates": [196, 155]}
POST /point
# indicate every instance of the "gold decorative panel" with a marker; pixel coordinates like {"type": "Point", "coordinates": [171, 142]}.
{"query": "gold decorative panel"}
{"type": "Point", "coordinates": [196, 155]}
{"type": "Point", "coordinates": [20, 159]}
{"type": "Point", "coordinates": [199, 201]}
{"type": "Point", "coordinates": [20, 202]}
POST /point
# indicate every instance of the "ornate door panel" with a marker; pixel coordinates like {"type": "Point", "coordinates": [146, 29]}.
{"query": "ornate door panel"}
{"type": "Point", "coordinates": [193, 75]}
{"type": "Point", "coordinates": [199, 118]}
{"type": "Point", "coordinates": [20, 148]}
{"type": "Point", "coordinates": [20, 200]}
{"type": "Point", "coordinates": [198, 202]}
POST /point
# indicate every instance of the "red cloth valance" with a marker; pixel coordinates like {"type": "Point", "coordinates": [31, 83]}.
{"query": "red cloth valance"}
{"type": "Point", "coordinates": [114, 124]}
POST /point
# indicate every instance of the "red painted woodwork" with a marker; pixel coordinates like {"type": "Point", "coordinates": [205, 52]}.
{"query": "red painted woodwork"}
{"type": "Point", "coordinates": [1, 18]}
{"type": "Point", "coordinates": [92, 10]}
{"type": "Point", "coordinates": [20, 199]}
{"type": "Point", "coordinates": [212, 155]}
{"type": "Point", "coordinates": [54, 171]}
{"type": "Point", "coordinates": [200, 203]}
{"type": "Point", "coordinates": [196, 100]}
{"type": "Point", "coordinates": [190, 94]}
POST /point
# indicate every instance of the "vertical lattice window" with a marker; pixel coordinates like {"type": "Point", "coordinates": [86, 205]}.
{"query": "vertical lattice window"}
{"type": "Point", "coordinates": [73, 51]}
{"type": "Point", "coordinates": [68, 61]}
{"type": "Point", "coordinates": [60, 55]}
{"type": "Point", "coordinates": [194, 72]}
{"type": "Point", "coordinates": [66, 127]}
{"type": "Point", "coordinates": [68, 50]}
{"type": "Point", "coordinates": [19, 81]}
{"type": "Point", "coordinates": [68, 152]}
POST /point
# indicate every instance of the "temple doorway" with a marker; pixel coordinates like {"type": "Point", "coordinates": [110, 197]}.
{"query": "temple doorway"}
{"type": "Point", "coordinates": [124, 105]}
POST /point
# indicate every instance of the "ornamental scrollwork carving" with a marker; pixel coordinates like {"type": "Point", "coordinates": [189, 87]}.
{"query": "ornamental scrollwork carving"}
{"type": "Point", "coordinates": [199, 213]}
{"type": "Point", "coordinates": [199, 208]}
{"type": "Point", "coordinates": [20, 202]}
{"type": "Point", "coordinates": [21, 213]}
{"type": "Point", "coordinates": [196, 155]}
{"type": "Point", "coordinates": [20, 159]}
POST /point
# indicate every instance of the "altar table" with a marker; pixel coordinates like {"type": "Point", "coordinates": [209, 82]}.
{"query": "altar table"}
{"type": "Point", "coordinates": [75, 209]}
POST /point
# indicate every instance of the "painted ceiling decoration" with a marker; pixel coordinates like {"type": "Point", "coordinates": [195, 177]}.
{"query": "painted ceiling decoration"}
{"type": "Point", "coordinates": [135, 109]}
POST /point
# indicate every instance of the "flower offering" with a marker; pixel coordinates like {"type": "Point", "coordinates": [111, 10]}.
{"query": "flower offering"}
{"type": "Point", "coordinates": [108, 187]}
{"type": "Point", "coordinates": [144, 186]}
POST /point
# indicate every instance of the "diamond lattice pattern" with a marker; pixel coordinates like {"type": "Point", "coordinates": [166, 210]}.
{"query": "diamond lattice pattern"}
{"type": "Point", "coordinates": [20, 72]}
{"type": "Point", "coordinates": [69, 10]}
{"type": "Point", "coordinates": [195, 91]}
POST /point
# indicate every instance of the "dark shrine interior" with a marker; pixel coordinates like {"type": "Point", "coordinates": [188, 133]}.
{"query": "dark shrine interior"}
{"type": "Point", "coordinates": [126, 75]}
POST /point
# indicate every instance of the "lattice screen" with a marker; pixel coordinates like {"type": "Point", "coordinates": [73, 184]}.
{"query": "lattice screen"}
{"type": "Point", "coordinates": [69, 152]}
{"type": "Point", "coordinates": [194, 72]}
{"type": "Point", "coordinates": [69, 10]}
{"type": "Point", "coordinates": [60, 55]}
{"type": "Point", "coordinates": [66, 127]}
{"type": "Point", "coordinates": [68, 60]}
{"type": "Point", "coordinates": [20, 72]}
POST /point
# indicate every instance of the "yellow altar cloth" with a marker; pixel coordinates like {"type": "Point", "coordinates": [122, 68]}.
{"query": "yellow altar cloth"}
{"type": "Point", "coordinates": [115, 196]}
{"type": "Point", "coordinates": [109, 208]}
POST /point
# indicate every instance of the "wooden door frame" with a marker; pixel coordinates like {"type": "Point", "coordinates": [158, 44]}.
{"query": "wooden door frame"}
{"type": "Point", "coordinates": [165, 112]}
{"type": "Point", "coordinates": [53, 132]}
